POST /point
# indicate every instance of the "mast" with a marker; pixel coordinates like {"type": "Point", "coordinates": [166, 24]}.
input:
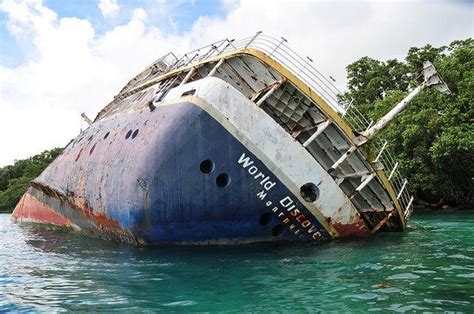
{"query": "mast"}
{"type": "Point", "coordinates": [431, 78]}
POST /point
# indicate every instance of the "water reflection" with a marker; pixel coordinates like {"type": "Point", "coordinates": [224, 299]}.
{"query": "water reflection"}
{"type": "Point", "coordinates": [430, 268]}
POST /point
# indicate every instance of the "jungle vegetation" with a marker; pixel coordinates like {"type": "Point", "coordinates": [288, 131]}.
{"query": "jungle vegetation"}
{"type": "Point", "coordinates": [14, 179]}
{"type": "Point", "coordinates": [433, 139]}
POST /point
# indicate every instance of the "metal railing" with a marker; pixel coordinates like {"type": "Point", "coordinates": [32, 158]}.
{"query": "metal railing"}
{"type": "Point", "coordinates": [399, 183]}
{"type": "Point", "coordinates": [303, 68]}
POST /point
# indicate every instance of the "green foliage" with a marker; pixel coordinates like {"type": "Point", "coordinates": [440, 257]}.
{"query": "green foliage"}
{"type": "Point", "coordinates": [434, 137]}
{"type": "Point", "coordinates": [14, 179]}
{"type": "Point", "coordinates": [370, 78]}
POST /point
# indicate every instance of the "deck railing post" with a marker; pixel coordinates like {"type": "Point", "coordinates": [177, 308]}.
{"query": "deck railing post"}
{"type": "Point", "coordinates": [229, 43]}
{"type": "Point", "coordinates": [403, 188]}
{"type": "Point", "coordinates": [381, 151]}
{"type": "Point", "coordinates": [253, 38]}
{"type": "Point", "coordinates": [393, 171]}
{"type": "Point", "coordinates": [407, 209]}
{"type": "Point", "coordinates": [283, 40]}
{"type": "Point", "coordinates": [304, 66]}
{"type": "Point", "coordinates": [211, 50]}
{"type": "Point", "coordinates": [348, 106]}
{"type": "Point", "coordinates": [191, 59]}
{"type": "Point", "coordinates": [370, 124]}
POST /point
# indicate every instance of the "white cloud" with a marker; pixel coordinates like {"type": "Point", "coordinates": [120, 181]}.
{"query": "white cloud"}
{"type": "Point", "coordinates": [75, 70]}
{"type": "Point", "coordinates": [108, 7]}
{"type": "Point", "coordinates": [335, 34]}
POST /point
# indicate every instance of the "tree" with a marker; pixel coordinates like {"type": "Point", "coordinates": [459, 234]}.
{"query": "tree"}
{"type": "Point", "coordinates": [14, 179]}
{"type": "Point", "coordinates": [434, 137]}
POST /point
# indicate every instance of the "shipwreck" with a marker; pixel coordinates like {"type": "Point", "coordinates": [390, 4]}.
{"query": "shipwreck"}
{"type": "Point", "coordinates": [236, 142]}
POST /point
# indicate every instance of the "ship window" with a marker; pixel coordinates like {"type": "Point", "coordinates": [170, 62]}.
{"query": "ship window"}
{"type": "Point", "coordinates": [278, 230]}
{"type": "Point", "coordinates": [128, 134]}
{"type": "Point", "coordinates": [223, 180]}
{"type": "Point", "coordinates": [106, 135]}
{"type": "Point", "coordinates": [92, 149]}
{"type": "Point", "coordinates": [309, 192]}
{"type": "Point", "coordinates": [79, 154]}
{"type": "Point", "coordinates": [266, 218]}
{"type": "Point", "coordinates": [207, 166]}
{"type": "Point", "coordinates": [135, 134]}
{"type": "Point", "coordinates": [189, 92]}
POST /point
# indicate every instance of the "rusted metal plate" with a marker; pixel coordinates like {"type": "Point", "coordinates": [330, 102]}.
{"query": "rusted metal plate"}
{"type": "Point", "coordinates": [29, 209]}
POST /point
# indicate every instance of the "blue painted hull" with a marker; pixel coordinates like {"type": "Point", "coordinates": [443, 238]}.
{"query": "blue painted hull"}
{"type": "Point", "coordinates": [142, 174]}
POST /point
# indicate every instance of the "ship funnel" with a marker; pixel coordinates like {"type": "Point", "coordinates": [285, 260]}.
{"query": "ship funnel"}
{"type": "Point", "coordinates": [431, 78]}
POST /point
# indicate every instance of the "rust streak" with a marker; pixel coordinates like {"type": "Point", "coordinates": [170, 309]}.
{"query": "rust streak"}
{"type": "Point", "coordinates": [382, 222]}
{"type": "Point", "coordinates": [100, 221]}
{"type": "Point", "coordinates": [351, 230]}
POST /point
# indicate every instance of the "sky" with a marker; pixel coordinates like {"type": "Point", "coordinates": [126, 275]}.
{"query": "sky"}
{"type": "Point", "coordinates": [61, 58]}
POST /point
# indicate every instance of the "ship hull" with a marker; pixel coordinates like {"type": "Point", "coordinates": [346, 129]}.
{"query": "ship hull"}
{"type": "Point", "coordinates": [174, 175]}
{"type": "Point", "coordinates": [227, 146]}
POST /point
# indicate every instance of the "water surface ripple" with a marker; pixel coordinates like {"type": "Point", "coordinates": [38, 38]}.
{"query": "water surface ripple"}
{"type": "Point", "coordinates": [429, 268]}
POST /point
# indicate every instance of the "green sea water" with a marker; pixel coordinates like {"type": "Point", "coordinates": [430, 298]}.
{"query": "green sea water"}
{"type": "Point", "coordinates": [429, 268]}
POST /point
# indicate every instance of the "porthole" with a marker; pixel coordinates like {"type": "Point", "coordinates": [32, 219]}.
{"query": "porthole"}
{"type": "Point", "coordinates": [135, 133]}
{"type": "Point", "coordinates": [206, 166]}
{"type": "Point", "coordinates": [223, 180]}
{"type": "Point", "coordinates": [266, 218]}
{"type": "Point", "coordinates": [92, 149]}
{"type": "Point", "coordinates": [79, 154]}
{"type": "Point", "coordinates": [278, 230]}
{"type": "Point", "coordinates": [188, 93]}
{"type": "Point", "coordinates": [106, 135]}
{"type": "Point", "coordinates": [309, 192]}
{"type": "Point", "coordinates": [128, 134]}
